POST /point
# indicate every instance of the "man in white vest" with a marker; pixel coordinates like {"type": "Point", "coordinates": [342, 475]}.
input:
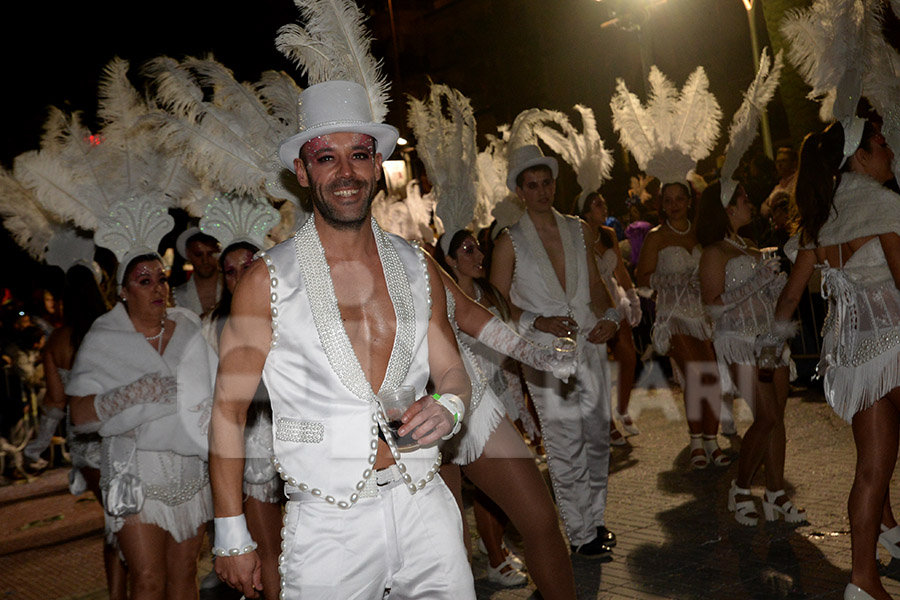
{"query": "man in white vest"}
{"type": "Point", "coordinates": [329, 317]}
{"type": "Point", "coordinates": [545, 266]}
{"type": "Point", "coordinates": [202, 291]}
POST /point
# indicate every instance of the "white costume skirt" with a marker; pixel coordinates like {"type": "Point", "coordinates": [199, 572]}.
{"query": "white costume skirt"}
{"type": "Point", "coordinates": [467, 446]}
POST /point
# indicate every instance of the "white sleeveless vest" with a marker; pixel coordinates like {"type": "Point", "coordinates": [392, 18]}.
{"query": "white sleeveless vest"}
{"type": "Point", "coordinates": [324, 412]}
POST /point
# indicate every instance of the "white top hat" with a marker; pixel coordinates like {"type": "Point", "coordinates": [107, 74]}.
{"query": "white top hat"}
{"type": "Point", "coordinates": [525, 157]}
{"type": "Point", "coordinates": [183, 237]}
{"type": "Point", "coordinates": [336, 107]}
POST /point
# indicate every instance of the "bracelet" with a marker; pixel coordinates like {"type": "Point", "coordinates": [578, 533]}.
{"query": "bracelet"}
{"type": "Point", "coordinates": [526, 321]}
{"type": "Point", "coordinates": [455, 405]}
{"type": "Point", "coordinates": [612, 315]}
{"type": "Point", "coordinates": [232, 536]}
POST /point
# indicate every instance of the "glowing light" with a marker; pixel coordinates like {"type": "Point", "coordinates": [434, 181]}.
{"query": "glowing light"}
{"type": "Point", "coordinates": [402, 141]}
{"type": "Point", "coordinates": [748, 4]}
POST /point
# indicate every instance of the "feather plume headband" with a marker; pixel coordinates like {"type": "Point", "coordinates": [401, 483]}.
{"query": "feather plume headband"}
{"type": "Point", "coordinates": [584, 152]}
{"type": "Point", "coordinates": [229, 138]}
{"type": "Point", "coordinates": [444, 126]}
{"type": "Point", "coordinates": [334, 45]}
{"type": "Point", "coordinates": [233, 219]}
{"type": "Point", "coordinates": [490, 180]}
{"type": "Point", "coordinates": [674, 130]}
{"type": "Point", "coordinates": [744, 125]}
{"type": "Point", "coordinates": [828, 44]}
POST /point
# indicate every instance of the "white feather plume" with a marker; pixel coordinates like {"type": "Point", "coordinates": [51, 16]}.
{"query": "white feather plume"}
{"type": "Point", "coordinates": [584, 152]}
{"type": "Point", "coordinates": [334, 44]}
{"type": "Point", "coordinates": [31, 227]}
{"type": "Point", "coordinates": [744, 124]}
{"type": "Point", "coordinates": [230, 137]}
{"type": "Point", "coordinates": [674, 130]}
{"type": "Point", "coordinates": [522, 132]}
{"type": "Point", "coordinates": [491, 165]}
{"type": "Point", "coordinates": [444, 126]}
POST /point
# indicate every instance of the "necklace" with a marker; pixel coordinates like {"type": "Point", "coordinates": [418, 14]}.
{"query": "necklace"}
{"type": "Point", "coordinates": [684, 231]}
{"type": "Point", "coordinates": [739, 243]}
{"type": "Point", "coordinates": [158, 336]}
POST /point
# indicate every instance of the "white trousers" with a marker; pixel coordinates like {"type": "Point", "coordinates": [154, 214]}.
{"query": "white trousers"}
{"type": "Point", "coordinates": [574, 420]}
{"type": "Point", "coordinates": [409, 544]}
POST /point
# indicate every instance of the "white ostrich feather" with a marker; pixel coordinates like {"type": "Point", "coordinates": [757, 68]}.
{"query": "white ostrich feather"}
{"type": "Point", "coordinates": [491, 165]}
{"type": "Point", "coordinates": [444, 126]}
{"type": "Point", "coordinates": [744, 124]}
{"type": "Point", "coordinates": [229, 139]}
{"type": "Point", "coordinates": [674, 130]}
{"type": "Point", "coordinates": [522, 132]}
{"type": "Point", "coordinates": [31, 227]}
{"type": "Point", "coordinates": [334, 44]}
{"type": "Point", "coordinates": [584, 152]}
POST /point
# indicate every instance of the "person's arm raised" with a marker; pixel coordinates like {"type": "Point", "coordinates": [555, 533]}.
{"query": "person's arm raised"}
{"type": "Point", "coordinates": [243, 349]}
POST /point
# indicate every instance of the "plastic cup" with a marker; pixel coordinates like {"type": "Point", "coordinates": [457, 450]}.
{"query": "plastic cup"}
{"type": "Point", "coordinates": [394, 404]}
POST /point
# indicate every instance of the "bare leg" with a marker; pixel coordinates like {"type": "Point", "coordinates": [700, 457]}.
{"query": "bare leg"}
{"type": "Point", "coordinates": [702, 394]}
{"type": "Point", "coordinates": [452, 476]}
{"type": "Point", "coordinates": [875, 431]}
{"type": "Point", "coordinates": [626, 360]}
{"type": "Point", "coordinates": [774, 459]}
{"type": "Point", "coordinates": [116, 574]}
{"type": "Point", "coordinates": [264, 523]}
{"type": "Point", "coordinates": [144, 548]}
{"type": "Point", "coordinates": [181, 566]}
{"type": "Point", "coordinates": [507, 474]}
{"type": "Point", "coordinates": [491, 523]}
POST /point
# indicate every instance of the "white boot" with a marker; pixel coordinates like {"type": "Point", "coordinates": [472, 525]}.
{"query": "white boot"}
{"type": "Point", "coordinates": [47, 424]}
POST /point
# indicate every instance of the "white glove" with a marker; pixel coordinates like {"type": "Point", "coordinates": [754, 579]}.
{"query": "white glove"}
{"type": "Point", "coordinates": [633, 310]}
{"type": "Point", "coordinates": [152, 388]}
{"type": "Point", "coordinates": [499, 336]}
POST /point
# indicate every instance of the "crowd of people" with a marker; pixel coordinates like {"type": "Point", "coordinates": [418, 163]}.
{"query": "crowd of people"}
{"type": "Point", "coordinates": [249, 404]}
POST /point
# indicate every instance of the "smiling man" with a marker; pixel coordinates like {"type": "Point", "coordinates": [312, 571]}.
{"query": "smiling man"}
{"type": "Point", "coordinates": [545, 267]}
{"type": "Point", "coordinates": [330, 317]}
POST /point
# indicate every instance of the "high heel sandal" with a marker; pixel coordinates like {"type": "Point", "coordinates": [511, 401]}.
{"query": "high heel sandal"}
{"type": "Point", "coordinates": [714, 454]}
{"type": "Point", "coordinates": [791, 513]}
{"type": "Point", "coordinates": [890, 539]}
{"type": "Point", "coordinates": [699, 459]}
{"type": "Point", "coordinates": [627, 422]}
{"type": "Point", "coordinates": [742, 509]}
{"type": "Point", "coordinates": [616, 438]}
{"type": "Point", "coordinates": [854, 592]}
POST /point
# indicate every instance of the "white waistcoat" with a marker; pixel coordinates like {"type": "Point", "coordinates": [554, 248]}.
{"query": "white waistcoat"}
{"type": "Point", "coordinates": [324, 414]}
{"type": "Point", "coordinates": [535, 286]}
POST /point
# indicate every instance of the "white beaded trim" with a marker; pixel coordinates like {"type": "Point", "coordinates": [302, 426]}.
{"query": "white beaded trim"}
{"type": "Point", "coordinates": [479, 382]}
{"type": "Point", "coordinates": [273, 298]}
{"type": "Point", "coordinates": [302, 432]}
{"type": "Point", "coordinates": [235, 551]}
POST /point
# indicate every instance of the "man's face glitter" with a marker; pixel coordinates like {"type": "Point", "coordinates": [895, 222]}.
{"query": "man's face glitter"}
{"type": "Point", "coordinates": [341, 170]}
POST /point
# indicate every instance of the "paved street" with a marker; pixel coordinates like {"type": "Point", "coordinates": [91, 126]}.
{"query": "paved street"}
{"type": "Point", "coordinates": [676, 538]}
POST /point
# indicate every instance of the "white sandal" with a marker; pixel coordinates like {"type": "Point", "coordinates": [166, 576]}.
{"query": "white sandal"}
{"type": "Point", "coordinates": [506, 574]}
{"type": "Point", "coordinates": [742, 509]}
{"type": "Point", "coordinates": [890, 539]}
{"type": "Point", "coordinates": [714, 454]}
{"type": "Point", "coordinates": [698, 459]}
{"type": "Point", "coordinates": [627, 422]}
{"type": "Point", "coordinates": [791, 513]}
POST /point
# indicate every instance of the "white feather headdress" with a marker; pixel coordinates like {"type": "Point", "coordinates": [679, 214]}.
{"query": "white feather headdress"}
{"type": "Point", "coordinates": [79, 176]}
{"type": "Point", "coordinates": [584, 152]}
{"type": "Point", "coordinates": [229, 137]}
{"type": "Point", "coordinates": [334, 44]}
{"type": "Point", "coordinates": [235, 219]}
{"type": "Point", "coordinates": [744, 124]}
{"type": "Point", "coordinates": [444, 126]}
{"type": "Point", "coordinates": [491, 166]}
{"type": "Point", "coordinates": [674, 130]}
{"type": "Point", "coordinates": [828, 43]}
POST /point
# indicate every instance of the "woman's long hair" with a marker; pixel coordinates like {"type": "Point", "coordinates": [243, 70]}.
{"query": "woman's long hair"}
{"type": "Point", "coordinates": [82, 302]}
{"type": "Point", "coordinates": [493, 295]}
{"type": "Point", "coordinates": [715, 225]}
{"type": "Point", "coordinates": [608, 239]}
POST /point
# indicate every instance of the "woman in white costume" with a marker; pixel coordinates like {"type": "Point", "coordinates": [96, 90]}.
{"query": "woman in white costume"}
{"type": "Point", "coordinates": [240, 226]}
{"type": "Point", "coordinates": [618, 281]}
{"type": "Point", "coordinates": [848, 229]}
{"type": "Point", "coordinates": [684, 128]}
{"type": "Point", "coordinates": [739, 289]}
{"type": "Point", "coordinates": [490, 451]}
{"type": "Point", "coordinates": [143, 375]}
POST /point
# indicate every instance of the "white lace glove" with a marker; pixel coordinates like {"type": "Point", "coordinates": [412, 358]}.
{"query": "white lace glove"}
{"type": "Point", "coordinates": [633, 310]}
{"type": "Point", "coordinates": [152, 388]}
{"type": "Point", "coordinates": [499, 336]}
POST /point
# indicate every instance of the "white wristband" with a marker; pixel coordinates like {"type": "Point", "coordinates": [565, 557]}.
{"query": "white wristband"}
{"type": "Point", "coordinates": [455, 405]}
{"type": "Point", "coordinates": [613, 316]}
{"type": "Point", "coordinates": [232, 536]}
